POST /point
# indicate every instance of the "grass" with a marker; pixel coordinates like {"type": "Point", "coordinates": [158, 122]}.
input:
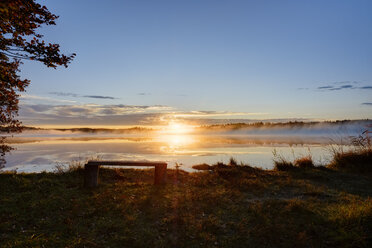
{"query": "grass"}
{"type": "Point", "coordinates": [353, 161]}
{"type": "Point", "coordinates": [282, 164]}
{"type": "Point", "coordinates": [358, 159]}
{"type": "Point", "coordinates": [228, 206]}
{"type": "Point", "coordinates": [304, 162]}
{"type": "Point", "coordinates": [297, 204]}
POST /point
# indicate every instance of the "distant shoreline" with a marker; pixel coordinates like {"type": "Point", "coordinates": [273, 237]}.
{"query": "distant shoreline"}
{"type": "Point", "coordinates": [217, 127]}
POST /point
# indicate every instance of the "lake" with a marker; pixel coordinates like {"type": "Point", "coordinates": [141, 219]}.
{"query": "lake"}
{"type": "Point", "coordinates": [37, 151]}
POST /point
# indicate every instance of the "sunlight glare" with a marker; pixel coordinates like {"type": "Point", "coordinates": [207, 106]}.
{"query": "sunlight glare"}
{"type": "Point", "coordinates": [177, 128]}
{"type": "Point", "coordinates": [176, 136]}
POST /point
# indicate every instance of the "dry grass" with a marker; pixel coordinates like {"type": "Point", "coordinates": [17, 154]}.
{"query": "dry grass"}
{"type": "Point", "coordinates": [358, 159]}
{"type": "Point", "coordinates": [283, 164]}
{"type": "Point", "coordinates": [353, 161]}
{"type": "Point", "coordinates": [304, 162]}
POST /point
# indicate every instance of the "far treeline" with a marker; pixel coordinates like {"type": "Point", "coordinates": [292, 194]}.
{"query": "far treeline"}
{"type": "Point", "coordinates": [289, 124]}
{"type": "Point", "coordinates": [366, 123]}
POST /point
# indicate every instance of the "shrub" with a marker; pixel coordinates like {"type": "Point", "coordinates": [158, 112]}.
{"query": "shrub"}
{"type": "Point", "coordinates": [202, 167]}
{"type": "Point", "coordinates": [283, 165]}
{"type": "Point", "coordinates": [352, 161]}
{"type": "Point", "coordinates": [304, 162]}
{"type": "Point", "coordinates": [358, 159]}
{"type": "Point", "coordinates": [233, 162]}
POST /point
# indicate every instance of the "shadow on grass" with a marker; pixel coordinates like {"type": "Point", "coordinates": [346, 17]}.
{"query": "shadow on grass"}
{"type": "Point", "coordinates": [231, 206]}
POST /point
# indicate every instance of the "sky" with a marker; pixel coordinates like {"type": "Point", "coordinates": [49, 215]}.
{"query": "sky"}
{"type": "Point", "coordinates": [150, 62]}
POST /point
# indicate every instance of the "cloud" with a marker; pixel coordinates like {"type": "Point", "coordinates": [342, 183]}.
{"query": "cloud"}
{"type": "Point", "coordinates": [366, 87]}
{"type": "Point", "coordinates": [215, 114]}
{"type": "Point", "coordinates": [39, 108]}
{"type": "Point", "coordinates": [93, 114]}
{"type": "Point", "coordinates": [94, 109]}
{"type": "Point", "coordinates": [367, 103]}
{"type": "Point", "coordinates": [86, 96]}
{"type": "Point", "coordinates": [100, 97]}
{"type": "Point", "coordinates": [331, 88]}
{"type": "Point", "coordinates": [118, 114]}
{"type": "Point", "coordinates": [325, 87]}
{"type": "Point", "coordinates": [26, 97]}
{"type": "Point", "coordinates": [347, 82]}
{"type": "Point", "coordinates": [63, 94]}
{"type": "Point", "coordinates": [345, 85]}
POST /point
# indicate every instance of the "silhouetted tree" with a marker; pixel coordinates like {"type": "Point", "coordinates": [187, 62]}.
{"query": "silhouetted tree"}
{"type": "Point", "coordinates": [19, 40]}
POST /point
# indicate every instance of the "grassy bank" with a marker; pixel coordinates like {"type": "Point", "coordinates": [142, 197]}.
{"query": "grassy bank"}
{"type": "Point", "coordinates": [229, 206]}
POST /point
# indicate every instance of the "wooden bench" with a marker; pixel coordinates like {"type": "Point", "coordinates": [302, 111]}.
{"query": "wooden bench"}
{"type": "Point", "coordinates": [91, 170]}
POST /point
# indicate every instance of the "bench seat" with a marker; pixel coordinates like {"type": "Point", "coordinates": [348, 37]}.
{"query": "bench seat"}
{"type": "Point", "coordinates": [91, 170]}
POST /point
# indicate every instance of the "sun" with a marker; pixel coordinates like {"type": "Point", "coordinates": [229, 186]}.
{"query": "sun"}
{"type": "Point", "coordinates": [177, 128]}
{"type": "Point", "coordinates": [175, 137]}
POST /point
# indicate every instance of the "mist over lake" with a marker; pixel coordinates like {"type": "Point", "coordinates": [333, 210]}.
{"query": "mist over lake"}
{"type": "Point", "coordinates": [39, 150]}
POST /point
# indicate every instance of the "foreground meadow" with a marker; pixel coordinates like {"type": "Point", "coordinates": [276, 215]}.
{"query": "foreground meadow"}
{"type": "Point", "coordinates": [226, 206]}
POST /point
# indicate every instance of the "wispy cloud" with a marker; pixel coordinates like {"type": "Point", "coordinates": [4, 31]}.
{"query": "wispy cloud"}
{"type": "Point", "coordinates": [347, 82]}
{"type": "Point", "coordinates": [344, 85]}
{"type": "Point", "coordinates": [367, 103]}
{"type": "Point", "coordinates": [95, 109]}
{"type": "Point", "coordinates": [101, 97]}
{"type": "Point", "coordinates": [216, 114]}
{"type": "Point", "coordinates": [325, 87]}
{"type": "Point", "coordinates": [26, 97]}
{"type": "Point", "coordinates": [68, 94]}
{"type": "Point", "coordinates": [118, 114]}
{"type": "Point", "coordinates": [64, 94]}
{"type": "Point", "coordinates": [92, 114]}
{"type": "Point", "coordinates": [366, 87]}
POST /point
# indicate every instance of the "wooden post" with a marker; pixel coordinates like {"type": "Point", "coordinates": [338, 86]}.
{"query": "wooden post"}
{"type": "Point", "coordinates": [91, 175]}
{"type": "Point", "coordinates": [160, 174]}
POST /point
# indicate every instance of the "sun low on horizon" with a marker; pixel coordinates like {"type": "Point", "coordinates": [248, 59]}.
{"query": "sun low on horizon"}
{"type": "Point", "coordinates": [176, 136]}
{"type": "Point", "coordinates": [177, 127]}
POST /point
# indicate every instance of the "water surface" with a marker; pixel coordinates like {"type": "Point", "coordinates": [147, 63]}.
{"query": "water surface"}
{"type": "Point", "coordinates": [44, 151]}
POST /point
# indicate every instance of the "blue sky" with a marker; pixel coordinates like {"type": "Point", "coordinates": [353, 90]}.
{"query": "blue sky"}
{"type": "Point", "coordinates": [203, 59]}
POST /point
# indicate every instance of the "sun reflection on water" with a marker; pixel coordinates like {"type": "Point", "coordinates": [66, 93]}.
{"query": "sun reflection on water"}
{"type": "Point", "coordinates": [174, 143]}
{"type": "Point", "coordinates": [176, 137]}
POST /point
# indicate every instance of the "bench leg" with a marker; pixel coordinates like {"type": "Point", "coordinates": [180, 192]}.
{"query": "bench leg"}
{"type": "Point", "coordinates": [91, 176]}
{"type": "Point", "coordinates": [160, 174]}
